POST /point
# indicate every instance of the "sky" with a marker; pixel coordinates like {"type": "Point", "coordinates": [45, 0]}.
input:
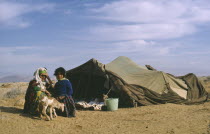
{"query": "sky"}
{"type": "Point", "coordinates": [170, 35]}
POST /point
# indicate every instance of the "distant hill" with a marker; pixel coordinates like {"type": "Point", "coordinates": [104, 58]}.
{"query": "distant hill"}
{"type": "Point", "coordinates": [15, 78]}
{"type": "Point", "coordinates": [18, 78]}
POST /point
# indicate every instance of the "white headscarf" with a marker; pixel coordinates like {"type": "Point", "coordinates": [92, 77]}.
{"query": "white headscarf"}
{"type": "Point", "coordinates": [39, 80]}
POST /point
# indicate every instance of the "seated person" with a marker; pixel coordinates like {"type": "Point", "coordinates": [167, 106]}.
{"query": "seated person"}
{"type": "Point", "coordinates": [37, 87]}
{"type": "Point", "coordinates": [63, 92]}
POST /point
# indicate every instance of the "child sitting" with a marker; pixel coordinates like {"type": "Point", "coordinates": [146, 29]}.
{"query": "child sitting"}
{"type": "Point", "coordinates": [64, 91]}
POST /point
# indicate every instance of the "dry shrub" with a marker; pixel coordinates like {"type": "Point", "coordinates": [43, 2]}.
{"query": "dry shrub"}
{"type": "Point", "coordinates": [14, 92]}
{"type": "Point", "coordinates": [6, 85]}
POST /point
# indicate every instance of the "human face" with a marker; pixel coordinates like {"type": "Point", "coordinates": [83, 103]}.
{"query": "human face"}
{"type": "Point", "coordinates": [43, 77]}
{"type": "Point", "coordinates": [59, 76]}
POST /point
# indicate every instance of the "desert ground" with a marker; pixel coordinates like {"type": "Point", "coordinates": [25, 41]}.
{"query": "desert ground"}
{"type": "Point", "coordinates": [155, 119]}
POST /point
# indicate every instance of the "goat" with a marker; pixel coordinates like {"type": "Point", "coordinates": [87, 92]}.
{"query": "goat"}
{"type": "Point", "coordinates": [50, 102]}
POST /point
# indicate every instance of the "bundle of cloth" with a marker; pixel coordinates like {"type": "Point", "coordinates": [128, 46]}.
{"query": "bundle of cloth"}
{"type": "Point", "coordinates": [92, 105]}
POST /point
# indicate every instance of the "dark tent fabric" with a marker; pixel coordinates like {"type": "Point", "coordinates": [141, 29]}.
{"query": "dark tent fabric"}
{"type": "Point", "coordinates": [87, 79]}
{"type": "Point", "coordinates": [131, 83]}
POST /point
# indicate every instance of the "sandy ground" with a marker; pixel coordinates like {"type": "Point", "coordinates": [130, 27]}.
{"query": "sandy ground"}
{"type": "Point", "coordinates": [156, 119]}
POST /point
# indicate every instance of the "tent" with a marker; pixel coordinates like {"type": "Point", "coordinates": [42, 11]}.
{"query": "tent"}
{"type": "Point", "coordinates": [134, 84]}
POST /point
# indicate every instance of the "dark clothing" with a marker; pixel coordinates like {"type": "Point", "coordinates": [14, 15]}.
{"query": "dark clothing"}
{"type": "Point", "coordinates": [32, 96]}
{"type": "Point", "coordinates": [29, 96]}
{"type": "Point", "coordinates": [69, 106]}
{"type": "Point", "coordinates": [64, 91]}
{"type": "Point", "coordinates": [63, 87]}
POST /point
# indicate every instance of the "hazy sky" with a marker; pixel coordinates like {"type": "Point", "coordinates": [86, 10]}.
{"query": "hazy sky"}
{"type": "Point", "coordinates": [171, 35]}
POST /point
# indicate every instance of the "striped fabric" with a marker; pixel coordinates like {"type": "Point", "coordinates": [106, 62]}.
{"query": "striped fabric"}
{"type": "Point", "coordinates": [69, 106]}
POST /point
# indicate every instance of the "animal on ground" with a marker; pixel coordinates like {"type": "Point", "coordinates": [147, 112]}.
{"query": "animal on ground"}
{"type": "Point", "coordinates": [52, 103]}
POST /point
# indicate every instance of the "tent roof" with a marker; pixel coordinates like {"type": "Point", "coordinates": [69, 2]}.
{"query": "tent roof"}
{"type": "Point", "coordinates": [138, 75]}
{"type": "Point", "coordinates": [92, 66]}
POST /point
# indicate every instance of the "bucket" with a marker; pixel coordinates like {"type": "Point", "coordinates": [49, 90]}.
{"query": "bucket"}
{"type": "Point", "coordinates": [112, 104]}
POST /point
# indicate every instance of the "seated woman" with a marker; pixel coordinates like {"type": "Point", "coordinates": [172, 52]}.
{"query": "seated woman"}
{"type": "Point", "coordinates": [63, 92]}
{"type": "Point", "coordinates": [37, 87]}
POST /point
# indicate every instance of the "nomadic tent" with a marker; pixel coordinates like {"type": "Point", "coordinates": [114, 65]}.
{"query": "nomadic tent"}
{"type": "Point", "coordinates": [134, 84]}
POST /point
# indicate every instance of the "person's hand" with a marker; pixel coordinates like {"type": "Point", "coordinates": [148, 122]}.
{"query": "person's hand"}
{"type": "Point", "coordinates": [48, 77]}
{"type": "Point", "coordinates": [61, 97]}
{"type": "Point", "coordinates": [48, 94]}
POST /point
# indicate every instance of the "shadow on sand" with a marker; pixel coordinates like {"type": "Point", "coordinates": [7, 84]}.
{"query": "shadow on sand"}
{"type": "Point", "coordinates": [15, 110]}
{"type": "Point", "coordinates": [12, 110]}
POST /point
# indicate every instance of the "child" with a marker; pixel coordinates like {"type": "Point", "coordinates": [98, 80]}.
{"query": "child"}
{"type": "Point", "coordinates": [64, 91]}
